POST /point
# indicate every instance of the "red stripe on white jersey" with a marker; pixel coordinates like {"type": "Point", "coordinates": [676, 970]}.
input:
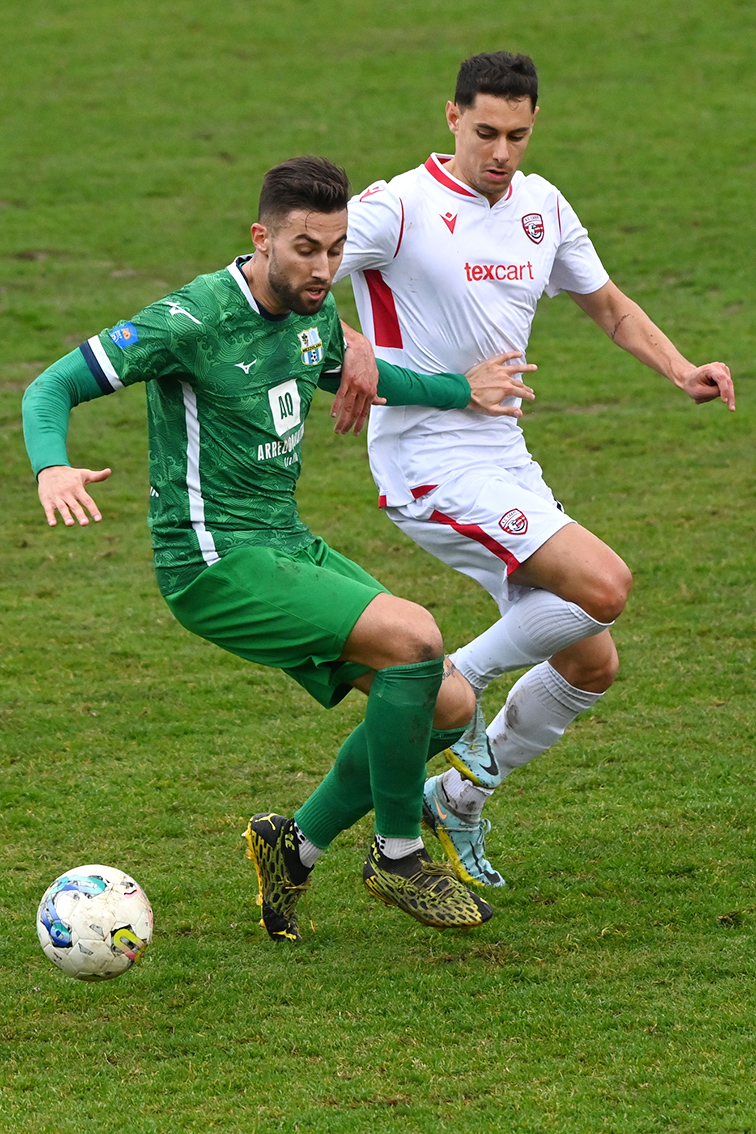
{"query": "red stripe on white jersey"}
{"type": "Point", "coordinates": [386, 327]}
{"type": "Point", "coordinates": [382, 501]}
{"type": "Point", "coordinates": [401, 231]}
{"type": "Point", "coordinates": [473, 531]}
{"type": "Point", "coordinates": [422, 490]}
{"type": "Point", "coordinates": [435, 170]}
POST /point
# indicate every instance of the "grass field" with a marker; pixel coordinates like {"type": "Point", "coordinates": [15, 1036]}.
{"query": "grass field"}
{"type": "Point", "coordinates": [613, 993]}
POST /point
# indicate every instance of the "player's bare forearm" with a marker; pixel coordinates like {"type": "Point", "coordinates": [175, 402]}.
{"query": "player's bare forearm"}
{"type": "Point", "coordinates": [628, 325]}
{"type": "Point", "coordinates": [62, 489]}
{"type": "Point", "coordinates": [359, 384]}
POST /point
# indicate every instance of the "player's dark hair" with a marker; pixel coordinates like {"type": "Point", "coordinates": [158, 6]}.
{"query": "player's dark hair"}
{"type": "Point", "coordinates": [497, 73]}
{"type": "Point", "coordinates": [303, 183]}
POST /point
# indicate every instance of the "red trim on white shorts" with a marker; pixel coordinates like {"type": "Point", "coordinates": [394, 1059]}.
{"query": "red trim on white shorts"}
{"type": "Point", "coordinates": [386, 327]}
{"type": "Point", "coordinates": [474, 531]}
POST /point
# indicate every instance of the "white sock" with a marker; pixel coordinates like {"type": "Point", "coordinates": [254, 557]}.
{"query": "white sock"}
{"type": "Point", "coordinates": [538, 625]}
{"type": "Point", "coordinates": [307, 851]}
{"type": "Point", "coordinates": [464, 797]}
{"type": "Point", "coordinates": [397, 848]}
{"type": "Point", "coordinates": [537, 711]}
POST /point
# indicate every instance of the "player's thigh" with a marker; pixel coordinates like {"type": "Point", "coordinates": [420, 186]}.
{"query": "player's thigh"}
{"type": "Point", "coordinates": [579, 567]}
{"type": "Point", "coordinates": [484, 525]}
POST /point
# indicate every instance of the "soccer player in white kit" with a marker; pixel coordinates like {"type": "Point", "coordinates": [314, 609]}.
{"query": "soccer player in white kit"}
{"type": "Point", "coordinates": [448, 262]}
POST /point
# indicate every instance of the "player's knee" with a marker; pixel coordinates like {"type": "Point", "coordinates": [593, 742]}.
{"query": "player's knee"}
{"type": "Point", "coordinates": [419, 638]}
{"type": "Point", "coordinates": [456, 702]}
{"type": "Point", "coordinates": [610, 593]}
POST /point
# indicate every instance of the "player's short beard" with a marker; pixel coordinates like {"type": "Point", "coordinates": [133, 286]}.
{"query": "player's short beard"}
{"type": "Point", "coordinates": [288, 296]}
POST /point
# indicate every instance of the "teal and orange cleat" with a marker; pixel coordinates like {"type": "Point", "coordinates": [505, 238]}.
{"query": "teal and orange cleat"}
{"type": "Point", "coordinates": [463, 840]}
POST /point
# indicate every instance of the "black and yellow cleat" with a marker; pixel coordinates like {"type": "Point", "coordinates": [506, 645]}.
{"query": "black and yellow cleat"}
{"type": "Point", "coordinates": [272, 846]}
{"type": "Point", "coordinates": [426, 890]}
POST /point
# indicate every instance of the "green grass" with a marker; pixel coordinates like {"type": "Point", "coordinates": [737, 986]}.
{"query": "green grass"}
{"type": "Point", "coordinates": [613, 993]}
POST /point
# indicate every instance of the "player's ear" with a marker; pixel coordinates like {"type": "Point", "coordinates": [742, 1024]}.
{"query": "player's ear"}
{"type": "Point", "coordinates": [260, 237]}
{"type": "Point", "coordinates": [452, 116]}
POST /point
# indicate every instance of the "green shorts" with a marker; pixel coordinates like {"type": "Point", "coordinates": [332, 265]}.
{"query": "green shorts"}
{"type": "Point", "coordinates": [290, 612]}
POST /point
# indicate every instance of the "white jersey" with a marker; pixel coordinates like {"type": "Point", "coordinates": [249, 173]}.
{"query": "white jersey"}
{"type": "Point", "coordinates": [443, 280]}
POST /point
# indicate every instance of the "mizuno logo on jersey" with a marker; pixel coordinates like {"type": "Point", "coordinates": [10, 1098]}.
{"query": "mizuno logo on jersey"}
{"type": "Point", "coordinates": [449, 221]}
{"type": "Point", "coordinates": [177, 309]}
{"type": "Point", "coordinates": [246, 366]}
{"type": "Point", "coordinates": [124, 336]}
{"type": "Point", "coordinates": [499, 271]}
{"type": "Point", "coordinates": [312, 346]}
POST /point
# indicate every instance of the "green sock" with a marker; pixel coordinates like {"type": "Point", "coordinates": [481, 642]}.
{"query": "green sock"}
{"type": "Point", "coordinates": [398, 724]}
{"type": "Point", "coordinates": [344, 796]}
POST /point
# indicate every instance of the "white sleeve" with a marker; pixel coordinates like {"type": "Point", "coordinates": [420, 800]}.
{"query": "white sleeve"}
{"type": "Point", "coordinates": [376, 220]}
{"type": "Point", "coordinates": [576, 265]}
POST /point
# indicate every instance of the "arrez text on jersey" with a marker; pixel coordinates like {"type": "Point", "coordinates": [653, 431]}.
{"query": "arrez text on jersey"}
{"type": "Point", "coordinates": [499, 271]}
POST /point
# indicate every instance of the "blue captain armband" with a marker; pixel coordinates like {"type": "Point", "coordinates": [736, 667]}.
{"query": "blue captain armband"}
{"type": "Point", "coordinates": [102, 369]}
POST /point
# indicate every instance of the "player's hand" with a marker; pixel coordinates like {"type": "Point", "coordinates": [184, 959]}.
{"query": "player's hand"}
{"type": "Point", "coordinates": [359, 384]}
{"type": "Point", "coordinates": [495, 379]}
{"type": "Point", "coordinates": [706, 383]}
{"type": "Point", "coordinates": [63, 489]}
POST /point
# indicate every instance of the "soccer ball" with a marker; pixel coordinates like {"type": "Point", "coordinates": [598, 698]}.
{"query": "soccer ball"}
{"type": "Point", "coordinates": [94, 922]}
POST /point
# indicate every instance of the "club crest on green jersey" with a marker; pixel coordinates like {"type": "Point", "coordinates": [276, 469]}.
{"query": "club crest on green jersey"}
{"type": "Point", "coordinates": [312, 346]}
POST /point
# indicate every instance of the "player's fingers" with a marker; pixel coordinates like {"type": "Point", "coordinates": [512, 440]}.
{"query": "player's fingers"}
{"type": "Point", "coordinates": [91, 475]}
{"type": "Point", "coordinates": [87, 501]}
{"type": "Point", "coordinates": [504, 411]}
{"type": "Point", "coordinates": [65, 513]}
{"type": "Point", "coordinates": [525, 368]}
{"type": "Point", "coordinates": [75, 507]}
{"type": "Point", "coordinates": [499, 359]}
{"type": "Point", "coordinates": [49, 509]}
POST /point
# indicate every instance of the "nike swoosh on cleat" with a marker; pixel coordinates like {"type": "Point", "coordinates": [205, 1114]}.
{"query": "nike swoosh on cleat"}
{"type": "Point", "coordinates": [441, 814]}
{"type": "Point", "coordinates": [493, 768]}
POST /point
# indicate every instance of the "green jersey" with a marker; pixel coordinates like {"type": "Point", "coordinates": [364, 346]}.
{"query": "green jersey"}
{"type": "Point", "coordinates": [228, 390]}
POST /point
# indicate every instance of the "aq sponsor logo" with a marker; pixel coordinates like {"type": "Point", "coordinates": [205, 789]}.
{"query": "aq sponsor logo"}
{"type": "Point", "coordinates": [514, 522]}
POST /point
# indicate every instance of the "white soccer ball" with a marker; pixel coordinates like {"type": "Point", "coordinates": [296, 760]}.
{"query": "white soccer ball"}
{"type": "Point", "coordinates": [94, 922]}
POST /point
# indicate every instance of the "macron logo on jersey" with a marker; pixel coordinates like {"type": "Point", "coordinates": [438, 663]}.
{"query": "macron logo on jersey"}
{"type": "Point", "coordinates": [499, 271]}
{"type": "Point", "coordinates": [449, 221]}
{"type": "Point", "coordinates": [124, 336]}
{"type": "Point", "coordinates": [371, 192]}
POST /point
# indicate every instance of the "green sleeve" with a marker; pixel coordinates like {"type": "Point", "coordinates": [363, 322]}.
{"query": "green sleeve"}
{"type": "Point", "coordinates": [47, 404]}
{"type": "Point", "coordinates": [402, 387]}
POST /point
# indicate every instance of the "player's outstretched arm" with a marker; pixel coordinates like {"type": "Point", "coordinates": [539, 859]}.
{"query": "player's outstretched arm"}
{"type": "Point", "coordinates": [63, 489]}
{"type": "Point", "coordinates": [495, 379]}
{"type": "Point", "coordinates": [629, 326]}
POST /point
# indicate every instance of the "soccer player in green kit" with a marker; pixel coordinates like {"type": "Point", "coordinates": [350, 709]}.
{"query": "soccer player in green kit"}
{"type": "Point", "coordinates": [231, 363]}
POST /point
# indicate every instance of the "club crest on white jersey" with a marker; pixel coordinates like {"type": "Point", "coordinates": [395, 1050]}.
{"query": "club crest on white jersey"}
{"type": "Point", "coordinates": [312, 346]}
{"type": "Point", "coordinates": [533, 225]}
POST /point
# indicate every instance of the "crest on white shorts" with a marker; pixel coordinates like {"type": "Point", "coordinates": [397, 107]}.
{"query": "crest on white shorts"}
{"type": "Point", "coordinates": [514, 522]}
{"type": "Point", "coordinates": [533, 225]}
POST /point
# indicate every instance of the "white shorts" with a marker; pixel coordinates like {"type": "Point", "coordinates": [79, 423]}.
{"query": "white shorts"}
{"type": "Point", "coordinates": [485, 523]}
